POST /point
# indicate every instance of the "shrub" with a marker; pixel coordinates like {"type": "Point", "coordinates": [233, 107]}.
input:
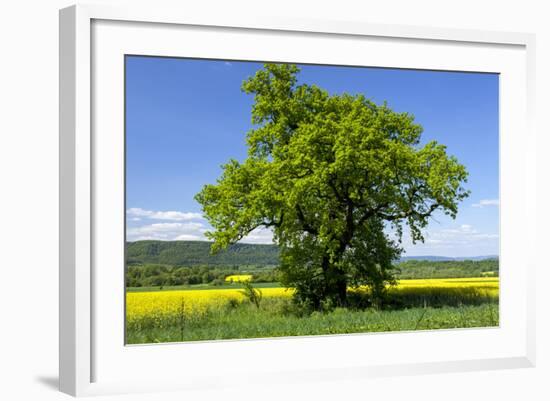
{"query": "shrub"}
{"type": "Point", "coordinates": [252, 294]}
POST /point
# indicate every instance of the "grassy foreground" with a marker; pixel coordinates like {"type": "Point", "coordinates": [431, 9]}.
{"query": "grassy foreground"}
{"type": "Point", "coordinates": [214, 314]}
{"type": "Point", "coordinates": [246, 322]}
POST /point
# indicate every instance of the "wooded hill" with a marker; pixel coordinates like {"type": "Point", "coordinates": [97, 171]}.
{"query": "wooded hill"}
{"type": "Point", "coordinates": [197, 253]}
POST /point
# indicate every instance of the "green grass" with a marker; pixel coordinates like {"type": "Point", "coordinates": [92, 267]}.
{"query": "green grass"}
{"type": "Point", "coordinates": [278, 317]}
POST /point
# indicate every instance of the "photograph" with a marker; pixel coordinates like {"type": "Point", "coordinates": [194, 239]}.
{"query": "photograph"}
{"type": "Point", "coordinates": [274, 199]}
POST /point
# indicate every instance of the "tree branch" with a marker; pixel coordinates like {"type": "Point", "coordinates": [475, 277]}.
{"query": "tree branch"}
{"type": "Point", "coordinates": [305, 225]}
{"type": "Point", "coordinates": [410, 213]}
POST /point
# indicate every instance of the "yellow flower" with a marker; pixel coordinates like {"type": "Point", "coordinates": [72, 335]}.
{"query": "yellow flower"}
{"type": "Point", "coordinates": [161, 304]}
{"type": "Point", "coordinates": [238, 278]}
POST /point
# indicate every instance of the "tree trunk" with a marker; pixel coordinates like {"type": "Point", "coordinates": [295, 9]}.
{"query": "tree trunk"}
{"type": "Point", "coordinates": [339, 287]}
{"type": "Point", "coordinates": [342, 289]}
{"type": "Point", "coordinates": [336, 282]}
{"type": "Point", "coordinates": [336, 285]}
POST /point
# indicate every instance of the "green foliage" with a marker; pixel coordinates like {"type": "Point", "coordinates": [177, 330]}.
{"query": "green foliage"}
{"type": "Point", "coordinates": [252, 294]}
{"type": "Point", "coordinates": [154, 275]}
{"type": "Point", "coordinates": [150, 275]}
{"type": "Point", "coordinates": [166, 275]}
{"type": "Point", "coordinates": [412, 269]}
{"type": "Point", "coordinates": [328, 173]}
{"type": "Point", "coordinates": [266, 276]}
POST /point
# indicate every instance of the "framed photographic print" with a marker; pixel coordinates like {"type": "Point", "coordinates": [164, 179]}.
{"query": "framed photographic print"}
{"type": "Point", "coordinates": [353, 198]}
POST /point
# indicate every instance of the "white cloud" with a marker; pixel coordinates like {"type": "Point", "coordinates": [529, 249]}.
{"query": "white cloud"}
{"type": "Point", "coordinates": [460, 240]}
{"type": "Point", "coordinates": [172, 215]}
{"type": "Point", "coordinates": [179, 226]}
{"type": "Point", "coordinates": [168, 231]}
{"type": "Point", "coordinates": [434, 241]}
{"type": "Point", "coordinates": [463, 234]}
{"type": "Point", "coordinates": [486, 202]}
{"type": "Point", "coordinates": [462, 230]}
{"type": "Point", "coordinates": [177, 216]}
{"type": "Point", "coordinates": [260, 235]}
{"type": "Point", "coordinates": [137, 211]}
{"type": "Point", "coordinates": [189, 237]}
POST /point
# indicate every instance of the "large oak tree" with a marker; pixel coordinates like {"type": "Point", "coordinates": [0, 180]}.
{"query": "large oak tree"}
{"type": "Point", "coordinates": [331, 175]}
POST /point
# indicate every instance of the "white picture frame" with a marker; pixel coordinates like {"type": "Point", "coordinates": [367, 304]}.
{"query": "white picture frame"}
{"type": "Point", "coordinates": [91, 40]}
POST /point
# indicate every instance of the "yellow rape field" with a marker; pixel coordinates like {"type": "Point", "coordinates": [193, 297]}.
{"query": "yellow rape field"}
{"type": "Point", "coordinates": [490, 284]}
{"type": "Point", "coordinates": [165, 303]}
{"type": "Point", "coordinates": [238, 278]}
{"type": "Point", "coordinates": [145, 304]}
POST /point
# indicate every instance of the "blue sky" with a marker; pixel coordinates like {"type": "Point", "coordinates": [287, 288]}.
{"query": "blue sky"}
{"type": "Point", "coordinates": [186, 117]}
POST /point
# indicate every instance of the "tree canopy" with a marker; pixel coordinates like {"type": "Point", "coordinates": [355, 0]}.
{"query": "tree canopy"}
{"type": "Point", "coordinates": [330, 175]}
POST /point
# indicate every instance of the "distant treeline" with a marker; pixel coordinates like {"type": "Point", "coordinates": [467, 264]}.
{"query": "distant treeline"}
{"type": "Point", "coordinates": [154, 275]}
{"type": "Point", "coordinates": [447, 269]}
{"type": "Point", "coordinates": [197, 253]}
{"type": "Point", "coordinates": [159, 275]}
